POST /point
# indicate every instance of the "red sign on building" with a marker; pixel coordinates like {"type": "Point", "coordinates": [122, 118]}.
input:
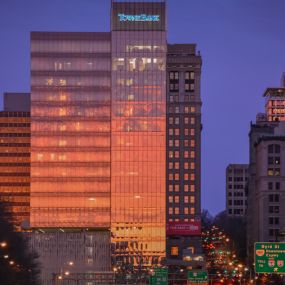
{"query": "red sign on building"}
{"type": "Point", "coordinates": [183, 228]}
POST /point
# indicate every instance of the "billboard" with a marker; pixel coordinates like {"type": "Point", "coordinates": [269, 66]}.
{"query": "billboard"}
{"type": "Point", "coordinates": [135, 16]}
{"type": "Point", "coordinates": [183, 228]}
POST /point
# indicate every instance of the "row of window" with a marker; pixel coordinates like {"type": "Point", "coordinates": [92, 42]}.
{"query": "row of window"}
{"type": "Point", "coordinates": [273, 148]}
{"type": "Point", "coordinates": [274, 160]}
{"type": "Point", "coordinates": [186, 211]}
{"type": "Point", "coordinates": [185, 143]}
{"type": "Point", "coordinates": [15, 145]}
{"type": "Point", "coordinates": [237, 179]}
{"type": "Point", "coordinates": [14, 114]}
{"type": "Point", "coordinates": [237, 211]}
{"type": "Point", "coordinates": [188, 75]}
{"type": "Point", "coordinates": [14, 174]}
{"type": "Point", "coordinates": [7, 154]}
{"type": "Point", "coordinates": [239, 186]}
{"type": "Point", "coordinates": [176, 120]}
{"type": "Point", "coordinates": [237, 171]}
{"type": "Point", "coordinates": [186, 199]}
{"type": "Point", "coordinates": [273, 197]}
{"type": "Point", "coordinates": [188, 87]}
{"type": "Point", "coordinates": [15, 125]}
{"type": "Point", "coordinates": [273, 171]}
{"type": "Point", "coordinates": [236, 202]}
{"type": "Point", "coordinates": [12, 135]}
{"type": "Point", "coordinates": [236, 194]}
{"type": "Point", "coordinates": [176, 132]}
{"type": "Point", "coordinates": [176, 143]}
{"type": "Point", "coordinates": [186, 187]}
{"type": "Point", "coordinates": [186, 154]}
{"type": "Point", "coordinates": [176, 165]}
{"type": "Point", "coordinates": [185, 98]}
{"type": "Point", "coordinates": [276, 184]}
{"type": "Point", "coordinates": [183, 109]}
{"type": "Point", "coordinates": [3, 184]}
{"type": "Point", "coordinates": [176, 176]}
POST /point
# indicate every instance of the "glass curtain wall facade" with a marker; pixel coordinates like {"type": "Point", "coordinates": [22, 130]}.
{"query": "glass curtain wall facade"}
{"type": "Point", "coordinates": [138, 133]}
{"type": "Point", "coordinates": [15, 165]}
{"type": "Point", "coordinates": [70, 125]}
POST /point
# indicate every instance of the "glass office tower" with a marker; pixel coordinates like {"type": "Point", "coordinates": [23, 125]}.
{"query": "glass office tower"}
{"type": "Point", "coordinates": [138, 132]}
{"type": "Point", "coordinates": [70, 126]}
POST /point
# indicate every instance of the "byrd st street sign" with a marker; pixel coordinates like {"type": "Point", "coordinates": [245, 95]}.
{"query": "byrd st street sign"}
{"type": "Point", "coordinates": [159, 277]}
{"type": "Point", "coordinates": [197, 277]}
{"type": "Point", "coordinates": [269, 257]}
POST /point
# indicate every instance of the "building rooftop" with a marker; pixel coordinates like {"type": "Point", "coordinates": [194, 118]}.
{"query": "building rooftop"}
{"type": "Point", "coordinates": [273, 91]}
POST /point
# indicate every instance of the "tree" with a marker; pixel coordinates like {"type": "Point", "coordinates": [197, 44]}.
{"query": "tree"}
{"type": "Point", "coordinates": [235, 228]}
{"type": "Point", "coordinates": [18, 266]}
{"type": "Point", "coordinates": [206, 219]}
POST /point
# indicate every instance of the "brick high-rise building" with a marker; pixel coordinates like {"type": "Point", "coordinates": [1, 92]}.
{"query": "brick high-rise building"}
{"type": "Point", "coordinates": [183, 155]}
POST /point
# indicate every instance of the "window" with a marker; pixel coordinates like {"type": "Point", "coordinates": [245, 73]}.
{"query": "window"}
{"type": "Point", "coordinates": [270, 185]}
{"type": "Point", "coordinates": [273, 221]}
{"type": "Point", "coordinates": [277, 186]}
{"type": "Point", "coordinates": [177, 132]}
{"type": "Point", "coordinates": [189, 75]}
{"type": "Point", "coordinates": [273, 198]}
{"type": "Point", "coordinates": [170, 199]}
{"type": "Point", "coordinates": [173, 75]}
{"type": "Point", "coordinates": [273, 232]}
{"type": "Point", "coordinates": [176, 211]}
{"type": "Point", "coordinates": [273, 209]}
{"type": "Point", "coordinates": [176, 120]}
{"type": "Point", "coordinates": [174, 87]}
{"type": "Point", "coordinates": [186, 188]}
{"type": "Point", "coordinates": [174, 251]}
{"type": "Point", "coordinates": [176, 199]}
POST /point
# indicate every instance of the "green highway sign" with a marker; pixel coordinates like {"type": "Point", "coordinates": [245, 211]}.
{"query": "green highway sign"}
{"type": "Point", "coordinates": [197, 277]}
{"type": "Point", "coordinates": [269, 257]}
{"type": "Point", "coordinates": [159, 277]}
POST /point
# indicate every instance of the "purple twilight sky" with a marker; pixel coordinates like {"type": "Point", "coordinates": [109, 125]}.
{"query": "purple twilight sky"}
{"type": "Point", "coordinates": [242, 43]}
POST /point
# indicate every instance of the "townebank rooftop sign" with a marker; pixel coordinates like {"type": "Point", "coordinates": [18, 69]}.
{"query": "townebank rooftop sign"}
{"type": "Point", "coordinates": [139, 18]}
